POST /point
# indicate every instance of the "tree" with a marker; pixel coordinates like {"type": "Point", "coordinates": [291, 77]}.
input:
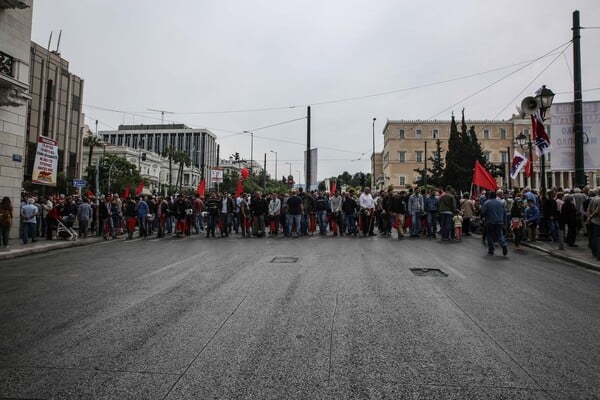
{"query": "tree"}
{"type": "Point", "coordinates": [170, 153]}
{"type": "Point", "coordinates": [182, 158]}
{"type": "Point", "coordinates": [120, 172]}
{"type": "Point", "coordinates": [436, 172]}
{"type": "Point", "coordinates": [91, 141]}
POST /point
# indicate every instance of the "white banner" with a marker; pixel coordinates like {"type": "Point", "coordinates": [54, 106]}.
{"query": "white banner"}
{"type": "Point", "coordinates": [563, 139]}
{"type": "Point", "coordinates": [216, 176]}
{"type": "Point", "coordinates": [46, 162]}
{"type": "Point", "coordinates": [518, 162]}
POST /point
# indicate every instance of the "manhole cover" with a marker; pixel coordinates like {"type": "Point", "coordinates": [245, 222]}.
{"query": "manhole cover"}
{"type": "Point", "coordinates": [428, 272]}
{"type": "Point", "coordinates": [284, 260]}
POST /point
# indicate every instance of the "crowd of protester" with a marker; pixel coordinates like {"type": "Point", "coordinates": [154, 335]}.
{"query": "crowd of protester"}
{"type": "Point", "coordinates": [518, 214]}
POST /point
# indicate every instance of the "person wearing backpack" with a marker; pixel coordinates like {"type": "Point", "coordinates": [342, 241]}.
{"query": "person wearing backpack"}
{"type": "Point", "coordinates": [6, 214]}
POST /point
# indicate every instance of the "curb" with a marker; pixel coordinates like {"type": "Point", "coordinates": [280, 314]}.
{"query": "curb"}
{"type": "Point", "coordinates": [557, 254]}
{"type": "Point", "coordinates": [44, 249]}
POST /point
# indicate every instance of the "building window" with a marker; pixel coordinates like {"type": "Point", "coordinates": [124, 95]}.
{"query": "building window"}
{"type": "Point", "coordinates": [401, 134]}
{"type": "Point", "coordinates": [436, 133]}
{"type": "Point", "coordinates": [402, 180]}
{"type": "Point", "coordinates": [503, 157]}
{"type": "Point", "coordinates": [402, 156]}
{"type": "Point", "coordinates": [502, 133]}
{"type": "Point", "coordinates": [486, 133]}
{"type": "Point", "coordinates": [418, 134]}
{"type": "Point", "coordinates": [419, 156]}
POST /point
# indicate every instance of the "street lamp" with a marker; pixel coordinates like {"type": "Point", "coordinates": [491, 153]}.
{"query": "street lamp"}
{"type": "Point", "coordinates": [373, 168]}
{"type": "Point", "coordinates": [545, 97]}
{"type": "Point", "coordinates": [276, 176]}
{"type": "Point", "coordinates": [251, 151]}
{"type": "Point", "coordinates": [524, 143]}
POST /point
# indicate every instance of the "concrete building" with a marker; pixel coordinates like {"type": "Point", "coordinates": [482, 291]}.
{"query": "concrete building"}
{"type": "Point", "coordinates": [15, 42]}
{"type": "Point", "coordinates": [404, 148]}
{"type": "Point", "coordinates": [55, 111]}
{"type": "Point", "coordinates": [199, 144]}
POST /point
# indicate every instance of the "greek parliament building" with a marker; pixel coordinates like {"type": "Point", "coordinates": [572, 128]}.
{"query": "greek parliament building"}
{"type": "Point", "coordinates": [199, 144]}
{"type": "Point", "coordinates": [405, 142]}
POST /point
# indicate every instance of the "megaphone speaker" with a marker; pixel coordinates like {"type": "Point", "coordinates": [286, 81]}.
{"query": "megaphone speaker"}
{"type": "Point", "coordinates": [530, 105]}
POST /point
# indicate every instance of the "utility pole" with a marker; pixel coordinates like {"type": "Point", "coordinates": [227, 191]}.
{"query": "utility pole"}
{"type": "Point", "coordinates": [265, 174]}
{"type": "Point", "coordinates": [578, 103]}
{"type": "Point", "coordinates": [307, 177]}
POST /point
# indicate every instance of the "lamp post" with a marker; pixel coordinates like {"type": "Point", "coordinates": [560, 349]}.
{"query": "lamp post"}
{"type": "Point", "coordinates": [251, 151]}
{"type": "Point", "coordinates": [524, 143]}
{"type": "Point", "coordinates": [545, 97]}
{"type": "Point", "coordinates": [276, 176]}
{"type": "Point", "coordinates": [373, 165]}
{"type": "Point", "coordinates": [299, 172]}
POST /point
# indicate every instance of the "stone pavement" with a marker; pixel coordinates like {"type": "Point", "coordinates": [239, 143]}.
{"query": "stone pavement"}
{"type": "Point", "coordinates": [580, 255]}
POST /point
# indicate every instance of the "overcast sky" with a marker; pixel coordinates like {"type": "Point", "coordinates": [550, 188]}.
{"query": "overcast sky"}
{"type": "Point", "coordinates": [234, 66]}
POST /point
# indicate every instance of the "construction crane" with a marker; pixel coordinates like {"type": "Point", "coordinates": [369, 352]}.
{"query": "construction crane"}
{"type": "Point", "coordinates": [162, 114]}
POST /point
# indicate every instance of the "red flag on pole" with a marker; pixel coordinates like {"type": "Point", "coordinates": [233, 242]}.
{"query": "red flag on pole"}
{"type": "Point", "coordinates": [201, 188]}
{"type": "Point", "coordinates": [542, 140]}
{"type": "Point", "coordinates": [126, 195]}
{"type": "Point", "coordinates": [528, 167]}
{"type": "Point", "coordinates": [481, 177]}
{"type": "Point", "coordinates": [240, 189]}
{"type": "Point", "coordinates": [140, 188]}
{"type": "Point", "coordinates": [333, 187]}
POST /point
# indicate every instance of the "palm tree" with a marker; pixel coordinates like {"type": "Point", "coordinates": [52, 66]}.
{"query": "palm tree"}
{"type": "Point", "coordinates": [92, 141]}
{"type": "Point", "coordinates": [182, 158]}
{"type": "Point", "coordinates": [170, 153]}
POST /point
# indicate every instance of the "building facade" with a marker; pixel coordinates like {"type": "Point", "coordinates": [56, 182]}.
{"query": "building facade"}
{"type": "Point", "coordinates": [55, 111]}
{"type": "Point", "coordinates": [15, 42]}
{"type": "Point", "coordinates": [406, 141]}
{"type": "Point", "coordinates": [199, 144]}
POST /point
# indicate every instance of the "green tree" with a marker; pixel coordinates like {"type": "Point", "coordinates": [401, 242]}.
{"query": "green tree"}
{"type": "Point", "coordinates": [436, 171]}
{"type": "Point", "coordinates": [183, 159]}
{"type": "Point", "coordinates": [91, 141]}
{"type": "Point", "coordinates": [170, 153]}
{"type": "Point", "coordinates": [120, 172]}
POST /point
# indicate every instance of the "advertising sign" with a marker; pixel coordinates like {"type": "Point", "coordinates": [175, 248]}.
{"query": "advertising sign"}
{"type": "Point", "coordinates": [563, 139]}
{"type": "Point", "coordinates": [46, 162]}
{"type": "Point", "coordinates": [216, 176]}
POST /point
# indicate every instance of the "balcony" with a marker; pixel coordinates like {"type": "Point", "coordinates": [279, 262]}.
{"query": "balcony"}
{"type": "Point", "coordinates": [13, 91]}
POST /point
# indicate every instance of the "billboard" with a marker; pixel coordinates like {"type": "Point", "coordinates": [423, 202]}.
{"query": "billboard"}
{"type": "Point", "coordinates": [563, 139]}
{"type": "Point", "coordinates": [46, 162]}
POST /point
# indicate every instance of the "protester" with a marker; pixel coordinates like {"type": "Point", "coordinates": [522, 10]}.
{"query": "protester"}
{"type": "Point", "coordinates": [6, 217]}
{"type": "Point", "coordinates": [493, 212]}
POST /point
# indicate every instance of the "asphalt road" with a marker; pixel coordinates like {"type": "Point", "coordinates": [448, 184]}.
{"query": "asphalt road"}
{"type": "Point", "coordinates": [336, 318]}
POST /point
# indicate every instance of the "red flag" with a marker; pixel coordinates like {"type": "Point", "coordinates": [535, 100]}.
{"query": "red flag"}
{"type": "Point", "coordinates": [140, 188]}
{"type": "Point", "coordinates": [90, 194]}
{"type": "Point", "coordinates": [126, 194]}
{"type": "Point", "coordinates": [201, 190]}
{"type": "Point", "coordinates": [481, 177]}
{"type": "Point", "coordinates": [240, 189]}
{"type": "Point", "coordinates": [333, 187]}
{"type": "Point", "coordinates": [528, 167]}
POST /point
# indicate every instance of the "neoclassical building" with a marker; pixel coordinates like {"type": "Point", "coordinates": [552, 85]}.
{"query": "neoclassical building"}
{"type": "Point", "coordinates": [405, 142]}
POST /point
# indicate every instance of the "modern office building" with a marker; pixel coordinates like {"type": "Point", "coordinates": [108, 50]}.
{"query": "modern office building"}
{"type": "Point", "coordinates": [199, 144]}
{"type": "Point", "coordinates": [15, 43]}
{"type": "Point", "coordinates": [55, 111]}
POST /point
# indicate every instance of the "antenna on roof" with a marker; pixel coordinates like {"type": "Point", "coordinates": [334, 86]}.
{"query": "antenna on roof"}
{"type": "Point", "coordinates": [58, 44]}
{"type": "Point", "coordinates": [50, 41]}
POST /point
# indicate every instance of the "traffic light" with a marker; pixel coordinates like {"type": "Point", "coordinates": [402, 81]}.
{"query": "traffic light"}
{"type": "Point", "coordinates": [237, 156]}
{"type": "Point", "coordinates": [585, 180]}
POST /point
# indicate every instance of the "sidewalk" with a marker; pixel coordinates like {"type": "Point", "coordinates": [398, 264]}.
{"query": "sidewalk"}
{"type": "Point", "coordinates": [580, 255]}
{"type": "Point", "coordinates": [16, 248]}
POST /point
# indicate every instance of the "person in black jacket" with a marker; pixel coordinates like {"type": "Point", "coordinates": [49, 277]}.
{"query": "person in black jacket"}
{"type": "Point", "coordinates": [398, 210]}
{"type": "Point", "coordinates": [212, 207]}
{"type": "Point", "coordinates": [349, 208]}
{"type": "Point", "coordinates": [259, 209]}
{"type": "Point", "coordinates": [568, 219]}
